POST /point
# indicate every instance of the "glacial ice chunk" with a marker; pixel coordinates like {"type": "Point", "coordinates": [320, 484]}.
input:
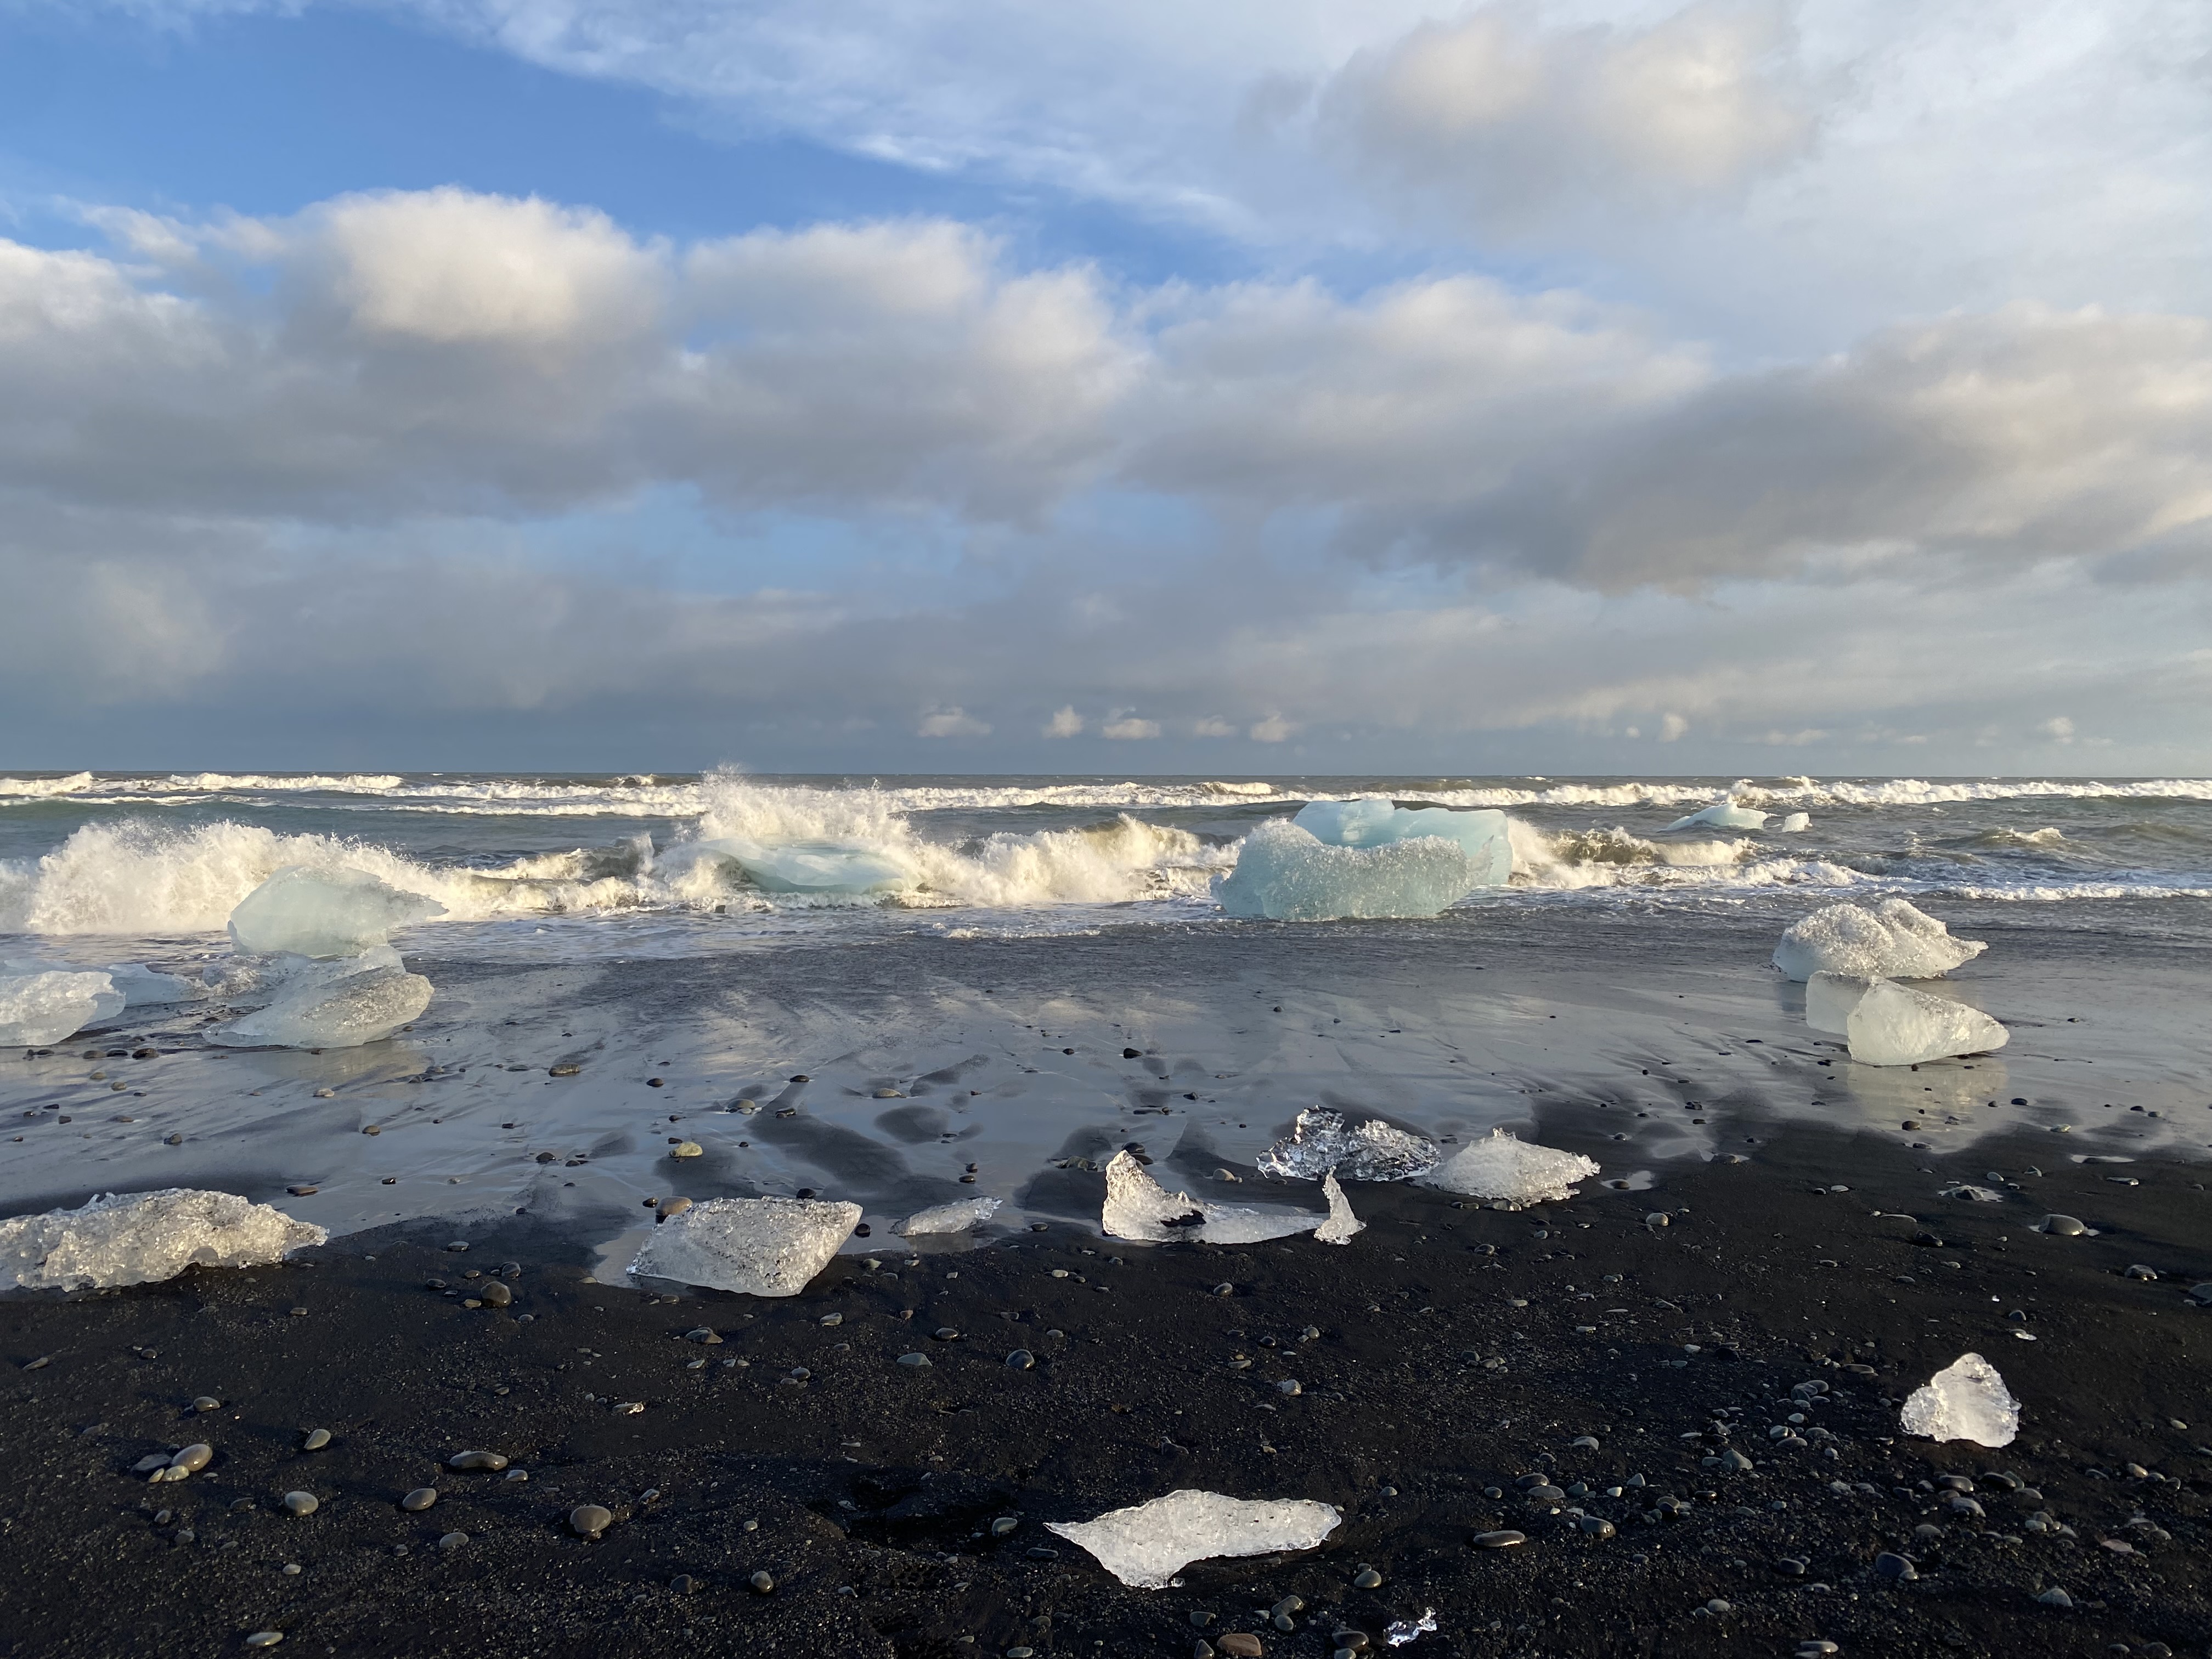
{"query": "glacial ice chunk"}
{"type": "Point", "coordinates": [1147, 1544]}
{"type": "Point", "coordinates": [324, 912]}
{"type": "Point", "coordinates": [1896, 1025]}
{"type": "Point", "coordinates": [318, 1009]}
{"type": "Point", "coordinates": [1371, 1150]}
{"type": "Point", "coordinates": [143, 987]}
{"type": "Point", "coordinates": [1509, 1171]}
{"type": "Point", "coordinates": [1285, 874]}
{"type": "Point", "coordinates": [753, 1246]}
{"type": "Point", "coordinates": [1137, 1206]}
{"type": "Point", "coordinates": [1796, 824]}
{"type": "Point", "coordinates": [1830, 998]}
{"type": "Point", "coordinates": [954, 1218]}
{"type": "Point", "coordinates": [822, 867]}
{"type": "Point", "coordinates": [1341, 1225]}
{"type": "Point", "coordinates": [40, 1006]}
{"type": "Point", "coordinates": [142, 1238]}
{"type": "Point", "coordinates": [1725, 814]}
{"type": "Point", "coordinates": [1891, 941]}
{"type": "Point", "coordinates": [1482, 836]}
{"type": "Point", "coordinates": [1964, 1400]}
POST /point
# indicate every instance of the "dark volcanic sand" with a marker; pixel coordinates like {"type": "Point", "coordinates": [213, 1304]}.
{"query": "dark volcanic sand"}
{"type": "Point", "coordinates": [873, 1485]}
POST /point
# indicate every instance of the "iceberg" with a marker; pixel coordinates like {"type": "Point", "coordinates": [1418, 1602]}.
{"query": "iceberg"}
{"type": "Point", "coordinates": [1726, 814]}
{"type": "Point", "coordinates": [324, 912]}
{"type": "Point", "coordinates": [1341, 1225]}
{"type": "Point", "coordinates": [41, 1006]}
{"type": "Point", "coordinates": [1964, 1400]}
{"type": "Point", "coordinates": [1137, 1206]}
{"type": "Point", "coordinates": [1482, 835]}
{"type": "Point", "coordinates": [1796, 824]}
{"type": "Point", "coordinates": [1284, 873]}
{"type": "Point", "coordinates": [1370, 1150]}
{"type": "Point", "coordinates": [341, 1005]}
{"type": "Point", "coordinates": [1891, 941]}
{"type": "Point", "coordinates": [1147, 1544]}
{"type": "Point", "coordinates": [1511, 1171]}
{"type": "Point", "coordinates": [1830, 998]}
{"type": "Point", "coordinates": [753, 1246]}
{"type": "Point", "coordinates": [955, 1217]}
{"type": "Point", "coordinates": [142, 1238]}
{"type": "Point", "coordinates": [823, 868]}
{"type": "Point", "coordinates": [143, 987]}
{"type": "Point", "coordinates": [1896, 1025]}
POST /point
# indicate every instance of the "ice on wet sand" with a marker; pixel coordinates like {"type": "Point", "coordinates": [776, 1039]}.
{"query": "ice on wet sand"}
{"type": "Point", "coordinates": [143, 987]}
{"type": "Point", "coordinates": [1830, 998]}
{"type": "Point", "coordinates": [1342, 1224]}
{"type": "Point", "coordinates": [40, 1006]}
{"type": "Point", "coordinates": [955, 1217]}
{"type": "Point", "coordinates": [1964, 1400]}
{"type": "Point", "coordinates": [1146, 1545]}
{"type": "Point", "coordinates": [324, 912]}
{"type": "Point", "coordinates": [753, 1246]}
{"type": "Point", "coordinates": [1891, 941]}
{"type": "Point", "coordinates": [1726, 815]}
{"type": "Point", "coordinates": [1370, 1150]}
{"type": "Point", "coordinates": [1482, 836]}
{"type": "Point", "coordinates": [1896, 1025]}
{"type": "Point", "coordinates": [1508, 1170]}
{"type": "Point", "coordinates": [320, 1008]}
{"type": "Point", "coordinates": [1137, 1206]}
{"type": "Point", "coordinates": [1284, 873]}
{"type": "Point", "coordinates": [142, 1238]}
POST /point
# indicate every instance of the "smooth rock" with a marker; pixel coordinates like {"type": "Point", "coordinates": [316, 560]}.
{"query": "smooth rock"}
{"type": "Point", "coordinates": [1504, 1539]}
{"type": "Point", "coordinates": [590, 1520]}
{"type": "Point", "coordinates": [302, 1503]}
{"type": "Point", "coordinates": [193, 1458]}
{"type": "Point", "coordinates": [316, 1440]}
{"type": "Point", "coordinates": [419, 1499]}
{"type": "Point", "coordinates": [477, 1460]}
{"type": "Point", "coordinates": [763, 1582]}
{"type": "Point", "coordinates": [1239, 1644]}
{"type": "Point", "coordinates": [1889, 1564]}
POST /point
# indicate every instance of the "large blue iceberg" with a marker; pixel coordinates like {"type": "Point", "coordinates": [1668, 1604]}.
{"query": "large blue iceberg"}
{"type": "Point", "coordinates": [1480, 835]}
{"type": "Point", "coordinates": [1284, 873]}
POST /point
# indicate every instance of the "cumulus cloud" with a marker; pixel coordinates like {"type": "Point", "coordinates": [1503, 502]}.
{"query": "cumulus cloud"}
{"type": "Point", "coordinates": [1064, 723]}
{"type": "Point", "coordinates": [952, 723]}
{"type": "Point", "coordinates": [1127, 728]}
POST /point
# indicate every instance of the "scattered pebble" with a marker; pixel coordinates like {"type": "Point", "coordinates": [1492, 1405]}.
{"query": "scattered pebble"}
{"type": "Point", "coordinates": [419, 1499]}
{"type": "Point", "coordinates": [763, 1582]}
{"type": "Point", "coordinates": [316, 1440]}
{"type": "Point", "coordinates": [264, 1639]}
{"type": "Point", "coordinates": [1367, 1579]}
{"type": "Point", "coordinates": [590, 1520]}
{"type": "Point", "coordinates": [302, 1503]}
{"type": "Point", "coordinates": [1504, 1539]}
{"type": "Point", "coordinates": [477, 1460]}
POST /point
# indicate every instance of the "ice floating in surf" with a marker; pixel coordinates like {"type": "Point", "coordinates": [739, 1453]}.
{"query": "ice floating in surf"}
{"type": "Point", "coordinates": [753, 1246]}
{"type": "Point", "coordinates": [1891, 941]}
{"type": "Point", "coordinates": [1147, 1544]}
{"type": "Point", "coordinates": [142, 1238]}
{"type": "Point", "coordinates": [1796, 824]}
{"type": "Point", "coordinates": [1481, 834]}
{"type": "Point", "coordinates": [1510, 1171]}
{"type": "Point", "coordinates": [38, 1006]}
{"type": "Point", "coordinates": [1137, 1206]}
{"type": "Point", "coordinates": [1371, 1150]}
{"type": "Point", "coordinates": [812, 867]}
{"type": "Point", "coordinates": [324, 912]}
{"type": "Point", "coordinates": [1895, 1025]}
{"type": "Point", "coordinates": [1964, 1400]}
{"type": "Point", "coordinates": [1726, 814]}
{"type": "Point", "coordinates": [955, 1217]}
{"type": "Point", "coordinates": [1284, 873]}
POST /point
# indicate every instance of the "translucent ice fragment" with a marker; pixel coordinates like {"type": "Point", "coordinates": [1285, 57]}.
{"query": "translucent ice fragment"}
{"type": "Point", "coordinates": [1891, 941]}
{"type": "Point", "coordinates": [1285, 874]}
{"type": "Point", "coordinates": [1796, 824]}
{"type": "Point", "coordinates": [1964, 1400]}
{"type": "Point", "coordinates": [1341, 1224]}
{"type": "Point", "coordinates": [1482, 836]}
{"type": "Point", "coordinates": [1516, 1172]}
{"type": "Point", "coordinates": [1137, 1206]}
{"type": "Point", "coordinates": [41, 1006]}
{"type": "Point", "coordinates": [141, 1238]}
{"type": "Point", "coordinates": [324, 912]}
{"type": "Point", "coordinates": [1726, 814]}
{"type": "Point", "coordinates": [317, 1009]}
{"type": "Point", "coordinates": [822, 867]}
{"type": "Point", "coordinates": [753, 1246]}
{"type": "Point", "coordinates": [1371, 1150]}
{"type": "Point", "coordinates": [955, 1217]}
{"type": "Point", "coordinates": [142, 987]}
{"type": "Point", "coordinates": [1146, 1546]}
{"type": "Point", "coordinates": [1830, 998]}
{"type": "Point", "coordinates": [1896, 1025]}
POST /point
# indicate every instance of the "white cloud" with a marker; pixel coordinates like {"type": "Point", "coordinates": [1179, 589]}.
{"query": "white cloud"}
{"type": "Point", "coordinates": [1212, 726]}
{"type": "Point", "coordinates": [2058, 729]}
{"type": "Point", "coordinates": [1672, 728]}
{"type": "Point", "coordinates": [1127, 728]}
{"type": "Point", "coordinates": [1065, 723]}
{"type": "Point", "coordinates": [952, 723]}
{"type": "Point", "coordinates": [1273, 728]}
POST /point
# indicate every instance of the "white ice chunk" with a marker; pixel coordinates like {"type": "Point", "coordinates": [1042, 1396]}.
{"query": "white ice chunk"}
{"type": "Point", "coordinates": [142, 1238]}
{"type": "Point", "coordinates": [1482, 836]}
{"type": "Point", "coordinates": [1726, 815]}
{"type": "Point", "coordinates": [1146, 1545]}
{"type": "Point", "coordinates": [143, 987]}
{"type": "Point", "coordinates": [1341, 1224]}
{"type": "Point", "coordinates": [41, 1006]}
{"type": "Point", "coordinates": [1516, 1172]}
{"type": "Point", "coordinates": [754, 1246]}
{"type": "Point", "coordinates": [1371, 1150]}
{"type": "Point", "coordinates": [320, 1009]}
{"type": "Point", "coordinates": [1830, 998]}
{"type": "Point", "coordinates": [1892, 941]}
{"type": "Point", "coordinates": [1896, 1025]}
{"type": "Point", "coordinates": [1285, 874]}
{"type": "Point", "coordinates": [955, 1217]}
{"type": "Point", "coordinates": [1796, 824]}
{"type": "Point", "coordinates": [1964, 1400]}
{"type": "Point", "coordinates": [324, 912]}
{"type": "Point", "coordinates": [1137, 1206]}
{"type": "Point", "coordinates": [823, 868]}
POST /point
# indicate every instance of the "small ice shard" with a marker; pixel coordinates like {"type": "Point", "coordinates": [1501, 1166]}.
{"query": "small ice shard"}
{"type": "Point", "coordinates": [1796, 824]}
{"type": "Point", "coordinates": [41, 1006]}
{"type": "Point", "coordinates": [1371, 1150]}
{"type": "Point", "coordinates": [1137, 1206]}
{"type": "Point", "coordinates": [823, 868]}
{"type": "Point", "coordinates": [1284, 873]}
{"type": "Point", "coordinates": [1973, 1195]}
{"type": "Point", "coordinates": [1514, 1172]}
{"type": "Point", "coordinates": [1964, 1400]}
{"type": "Point", "coordinates": [1896, 1025]}
{"type": "Point", "coordinates": [955, 1217]}
{"type": "Point", "coordinates": [143, 987]}
{"type": "Point", "coordinates": [1410, 1629]}
{"type": "Point", "coordinates": [1830, 998]}
{"type": "Point", "coordinates": [333, 1006]}
{"type": "Point", "coordinates": [1341, 1224]}
{"type": "Point", "coordinates": [1146, 1545]}
{"type": "Point", "coordinates": [1482, 836]}
{"type": "Point", "coordinates": [142, 1238]}
{"type": "Point", "coordinates": [324, 912]}
{"type": "Point", "coordinates": [753, 1246]}
{"type": "Point", "coordinates": [1891, 941]}
{"type": "Point", "coordinates": [1724, 815]}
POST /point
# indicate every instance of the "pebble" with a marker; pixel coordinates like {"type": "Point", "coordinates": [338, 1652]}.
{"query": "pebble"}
{"type": "Point", "coordinates": [1289, 1385]}
{"type": "Point", "coordinates": [2055, 1597]}
{"type": "Point", "coordinates": [1239, 1644]}
{"type": "Point", "coordinates": [945, 1333]}
{"type": "Point", "coordinates": [2065, 1226]}
{"type": "Point", "coordinates": [1367, 1578]}
{"type": "Point", "coordinates": [763, 1582]}
{"type": "Point", "coordinates": [590, 1520]}
{"type": "Point", "coordinates": [686, 1149]}
{"type": "Point", "coordinates": [316, 1440]}
{"type": "Point", "coordinates": [1502, 1540]}
{"type": "Point", "coordinates": [493, 1294]}
{"type": "Point", "coordinates": [452, 1540]}
{"type": "Point", "coordinates": [419, 1499]}
{"type": "Point", "coordinates": [477, 1460]}
{"type": "Point", "coordinates": [703, 1335]}
{"type": "Point", "coordinates": [302, 1503]}
{"type": "Point", "coordinates": [1889, 1564]}
{"type": "Point", "coordinates": [207, 1402]}
{"type": "Point", "coordinates": [264, 1639]}
{"type": "Point", "coordinates": [683, 1584]}
{"type": "Point", "coordinates": [914, 1359]}
{"type": "Point", "coordinates": [1596, 1526]}
{"type": "Point", "coordinates": [565, 1069]}
{"type": "Point", "coordinates": [1224, 1289]}
{"type": "Point", "coordinates": [831, 1319]}
{"type": "Point", "coordinates": [193, 1458]}
{"type": "Point", "coordinates": [1020, 1359]}
{"type": "Point", "coordinates": [303, 1191]}
{"type": "Point", "coordinates": [674, 1206]}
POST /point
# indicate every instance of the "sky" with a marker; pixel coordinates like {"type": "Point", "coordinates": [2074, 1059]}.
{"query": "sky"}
{"type": "Point", "coordinates": [1753, 387]}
